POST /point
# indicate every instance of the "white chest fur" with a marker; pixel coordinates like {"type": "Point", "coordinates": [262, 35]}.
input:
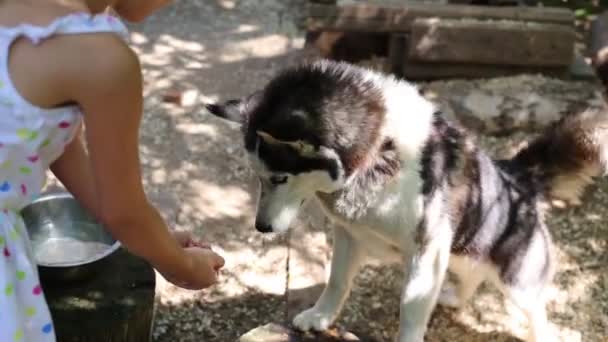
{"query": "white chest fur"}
{"type": "Point", "coordinates": [389, 225]}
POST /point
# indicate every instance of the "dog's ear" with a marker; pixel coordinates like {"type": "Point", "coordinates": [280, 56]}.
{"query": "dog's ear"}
{"type": "Point", "coordinates": [302, 147]}
{"type": "Point", "coordinates": [236, 110]}
{"type": "Point", "coordinates": [232, 110]}
{"type": "Point", "coordinates": [269, 139]}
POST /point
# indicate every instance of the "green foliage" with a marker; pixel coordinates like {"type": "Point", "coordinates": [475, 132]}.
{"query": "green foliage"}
{"type": "Point", "coordinates": [582, 8]}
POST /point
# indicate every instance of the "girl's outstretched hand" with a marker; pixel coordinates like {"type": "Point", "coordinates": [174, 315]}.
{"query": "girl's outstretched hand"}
{"type": "Point", "coordinates": [205, 263]}
{"type": "Point", "coordinates": [187, 239]}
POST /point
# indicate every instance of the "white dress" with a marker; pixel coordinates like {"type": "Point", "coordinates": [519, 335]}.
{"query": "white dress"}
{"type": "Point", "coordinates": [31, 138]}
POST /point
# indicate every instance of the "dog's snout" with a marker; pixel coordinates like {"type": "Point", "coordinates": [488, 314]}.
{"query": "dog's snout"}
{"type": "Point", "coordinates": [263, 227]}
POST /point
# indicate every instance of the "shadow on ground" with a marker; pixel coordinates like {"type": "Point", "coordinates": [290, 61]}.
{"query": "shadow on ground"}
{"type": "Point", "coordinates": [257, 309]}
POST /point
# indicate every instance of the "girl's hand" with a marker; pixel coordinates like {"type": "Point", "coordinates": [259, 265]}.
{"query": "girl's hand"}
{"type": "Point", "coordinates": [187, 239]}
{"type": "Point", "coordinates": [205, 265]}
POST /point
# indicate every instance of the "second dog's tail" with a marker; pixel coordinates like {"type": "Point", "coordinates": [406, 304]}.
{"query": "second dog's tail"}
{"type": "Point", "coordinates": [568, 155]}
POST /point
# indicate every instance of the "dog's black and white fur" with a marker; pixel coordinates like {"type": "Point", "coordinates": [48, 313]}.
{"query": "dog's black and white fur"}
{"type": "Point", "coordinates": [404, 184]}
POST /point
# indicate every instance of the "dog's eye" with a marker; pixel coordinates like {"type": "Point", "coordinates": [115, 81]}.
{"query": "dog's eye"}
{"type": "Point", "coordinates": [276, 180]}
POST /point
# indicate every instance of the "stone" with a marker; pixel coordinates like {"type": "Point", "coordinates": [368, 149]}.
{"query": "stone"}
{"type": "Point", "coordinates": [273, 332]}
{"type": "Point", "coordinates": [268, 333]}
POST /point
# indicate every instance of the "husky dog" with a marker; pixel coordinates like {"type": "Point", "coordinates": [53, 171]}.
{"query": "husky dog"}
{"type": "Point", "coordinates": [404, 184]}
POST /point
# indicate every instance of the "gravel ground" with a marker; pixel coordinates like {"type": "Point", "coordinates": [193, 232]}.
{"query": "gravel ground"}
{"type": "Point", "coordinates": [196, 173]}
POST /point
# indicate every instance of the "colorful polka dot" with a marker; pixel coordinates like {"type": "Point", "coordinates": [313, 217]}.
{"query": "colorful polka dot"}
{"type": "Point", "coordinates": [33, 159]}
{"type": "Point", "coordinates": [25, 170]}
{"type": "Point", "coordinates": [27, 134]}
{"type": "Point", "coordinates": [13, 234]}
{"type": "Point", "coordinates": [18, 335]}
{"type": "Point", "coordinates": [21, 275]}
{"type": "Point", "coordinates": [6, 252]}
{"type": "Point", "coordinates": [47, 329]}
{"type": "Point", "coordinates": [64, 124]}
{"type": "Point", "coordinates": [37, 291]}
{"type": "Point", "coordinates": [9, 290]}
{"type": "Point", "coordinates": [23, 189]}
{"type": "Point", "coordinates": [5, 187]}
{"type": "Point", "coordinates": [46, 143]}
{"type": "Point", "coordinates": [2, 241]}
{"type": "Point", "coordinates": [30, 311]}
{"type": "Point", "coordinates": [6, 164]}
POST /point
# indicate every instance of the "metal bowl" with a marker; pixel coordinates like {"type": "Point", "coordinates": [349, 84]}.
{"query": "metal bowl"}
{"type": "Point", "coordinates": [68, 243]}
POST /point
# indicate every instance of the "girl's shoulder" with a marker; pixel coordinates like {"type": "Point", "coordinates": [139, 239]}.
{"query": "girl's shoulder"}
{"type": "Point", "coordinates": [66, 61]}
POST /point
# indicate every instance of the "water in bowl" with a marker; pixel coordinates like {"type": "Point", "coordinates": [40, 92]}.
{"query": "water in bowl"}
{"type": "Point", "coordinates": [55, 251]}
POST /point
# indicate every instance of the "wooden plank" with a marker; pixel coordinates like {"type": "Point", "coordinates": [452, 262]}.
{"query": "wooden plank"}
{"type": "Point", "coordinates": [491, 42]}
{"type": "Point", "coordinates": [326, 2]}
{"type": "Point", "coordinates": [397, 48]}
{"type": "Point", "coordinates": [556, 15]}
{"type": "Point", "coordinates": [433, 71]}
{"type": "Point", "coordinates": [399, 17]}
{"type": "Point", "coordinates": [350, 47]}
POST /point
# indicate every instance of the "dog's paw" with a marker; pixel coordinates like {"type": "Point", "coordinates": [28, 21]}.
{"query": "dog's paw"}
{"type": "Point", "coordinates": [313, 319]}
{"type": "Point", "coordinates": [448, 297]}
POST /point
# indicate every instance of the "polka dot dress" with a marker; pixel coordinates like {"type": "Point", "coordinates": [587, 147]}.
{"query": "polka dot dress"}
{"type": "Point", "coordinates": [31, 138]}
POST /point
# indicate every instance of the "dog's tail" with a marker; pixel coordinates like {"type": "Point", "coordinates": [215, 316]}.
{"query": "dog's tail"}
{"type": "Point", "coordinates": [568, 155]}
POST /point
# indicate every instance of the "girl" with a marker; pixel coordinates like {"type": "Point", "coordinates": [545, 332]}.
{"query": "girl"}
{"type": "Point", "coordinates": [63, 63]}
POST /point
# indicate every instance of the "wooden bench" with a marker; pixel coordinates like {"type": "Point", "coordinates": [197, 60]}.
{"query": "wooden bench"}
{"type": "Point", "coordinates": [426, 41]}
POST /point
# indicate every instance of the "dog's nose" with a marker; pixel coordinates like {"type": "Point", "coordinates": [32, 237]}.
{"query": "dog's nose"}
{"type": "Point", "coordinates": [263, 227]}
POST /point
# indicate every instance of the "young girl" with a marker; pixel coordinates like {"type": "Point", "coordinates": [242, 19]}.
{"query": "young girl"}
{"type": "Point", "coordinates": [63, 63]}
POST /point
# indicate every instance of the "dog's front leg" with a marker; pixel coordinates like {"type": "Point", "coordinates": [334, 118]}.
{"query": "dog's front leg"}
{"type": "Point", "coordinates": [346, 259]}
{"type": "Point", "coordinates": [426, 268]}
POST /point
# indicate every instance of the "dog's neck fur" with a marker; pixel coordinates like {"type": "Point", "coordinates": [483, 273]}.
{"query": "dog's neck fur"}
{"type": "Point", "coordinates": [398, 147]}
{"type": "Point", "coordinates": [363, 188]}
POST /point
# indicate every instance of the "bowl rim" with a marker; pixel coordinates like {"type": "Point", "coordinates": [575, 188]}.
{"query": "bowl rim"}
{"type": "Point", "coordinates": [61, 195]}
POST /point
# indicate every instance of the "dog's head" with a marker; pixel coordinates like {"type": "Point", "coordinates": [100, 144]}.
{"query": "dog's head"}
{"type": "Point", "coordinates": [305, 132]}
{"type": "Point", "coordinates": [289, 171]}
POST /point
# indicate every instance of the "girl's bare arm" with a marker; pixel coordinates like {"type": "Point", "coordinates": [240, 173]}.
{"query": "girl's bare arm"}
{"type": "Point", "coordinates": [74, 171]}
{"type": "Point", "coordinates": [108, 88]}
